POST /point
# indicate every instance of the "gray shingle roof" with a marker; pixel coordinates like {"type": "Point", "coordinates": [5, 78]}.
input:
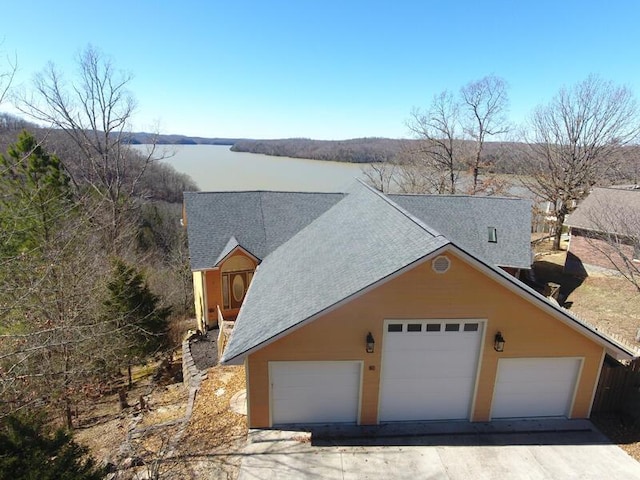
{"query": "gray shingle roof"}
{"type": "Point", "coordinates": [260, 221]}
{"type": "Point", "coordinates": [612, 210]}
{"type": "Point", "coordinates": [361, 240]}
{"type": "Point", "coordinates": [465, 220]}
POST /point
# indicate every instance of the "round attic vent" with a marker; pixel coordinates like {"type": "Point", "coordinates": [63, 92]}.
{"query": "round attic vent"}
{"type": "Point", "coordinates": [441, 264]}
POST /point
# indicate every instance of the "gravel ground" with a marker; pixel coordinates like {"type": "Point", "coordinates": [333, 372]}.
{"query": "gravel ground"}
{"type": "Point", "coordinates": [204, 350]}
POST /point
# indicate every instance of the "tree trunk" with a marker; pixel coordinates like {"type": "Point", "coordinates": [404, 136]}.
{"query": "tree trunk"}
{"type": "Point", "coordinates": [557, 234]}
{"type": "Point", "coordinates": [122, 397]}
{"type": "Point", "coordinates": [68, 414]}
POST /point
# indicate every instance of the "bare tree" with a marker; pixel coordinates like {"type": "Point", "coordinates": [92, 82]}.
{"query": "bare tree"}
{"type": "Point", "coordinates": [485, 104]}
{"type": "Point", "coordinates": [451, 135]}
{"type": "Point", "coordinates": [95, 110]}
{"type": "Point", "coordinates": [573, 142]}
{"type": "Point", "coordinates": [7, 76]}
{"type": "Point", "coordinates": [438, 132]}
{"type": "Point", "coordinates": [380, 175]}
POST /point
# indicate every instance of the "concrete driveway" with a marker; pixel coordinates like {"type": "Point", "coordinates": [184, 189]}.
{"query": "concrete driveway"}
{"type": "Point", "coordinates": [549, 449]}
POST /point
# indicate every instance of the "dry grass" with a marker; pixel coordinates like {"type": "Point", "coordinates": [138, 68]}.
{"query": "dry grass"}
{"type": "Point", "coordinates": [206, 450]}
{"type": "Point", "coordinates": [103, 439]}
{"type": "Point", "coordinates": [215, 434]}
{"type": "Point", "coordinates": [166, 404]}
{"type": "Point", "coordinates": [610, 304]}
{"type": "Point", "coordinates": [213, 425]}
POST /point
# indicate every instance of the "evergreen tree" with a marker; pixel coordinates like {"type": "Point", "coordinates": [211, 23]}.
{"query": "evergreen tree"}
{"type": "Point", "coordinates": [30, 450]}
{"type": "Point", "coordinates": [35, 195]}
{"type": "Point", "coordinates": [135, 309]}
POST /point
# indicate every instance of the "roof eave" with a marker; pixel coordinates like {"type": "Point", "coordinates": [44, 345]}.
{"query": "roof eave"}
{"type": "Point", "coordinates": [220, 261]}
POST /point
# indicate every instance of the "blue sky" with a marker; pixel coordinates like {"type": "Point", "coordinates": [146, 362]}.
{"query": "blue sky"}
{"type": "Point", "coordinates": [324, 69]}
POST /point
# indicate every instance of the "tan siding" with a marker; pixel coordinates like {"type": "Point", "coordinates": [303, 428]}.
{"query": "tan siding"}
{"type": "Point", "coordinates": [462, 292]}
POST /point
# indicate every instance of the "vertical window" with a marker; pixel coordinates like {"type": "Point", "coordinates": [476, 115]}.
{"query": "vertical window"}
{"type": "Point", "coordinates": [493, 235]}
{"type": "Point", "coordinates": [225, 291]}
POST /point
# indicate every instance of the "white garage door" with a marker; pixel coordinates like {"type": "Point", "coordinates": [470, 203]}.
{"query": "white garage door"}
{"type": "Point", "coordinates": [534, 387]}
{"type": "Point", "coordinates": [314, 392]}
{"type": "Point", "coordinates": [429, 369]}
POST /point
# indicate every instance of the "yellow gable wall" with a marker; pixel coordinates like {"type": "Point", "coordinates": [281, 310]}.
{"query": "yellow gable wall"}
{"type": "Point", "coordinates": [461, 292]}
{"type": "Point", "coordinates": [198, 298]}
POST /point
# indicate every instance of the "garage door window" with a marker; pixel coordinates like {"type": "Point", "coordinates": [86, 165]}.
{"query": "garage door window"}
{"type": "Point", "coordinates": [431, 327]}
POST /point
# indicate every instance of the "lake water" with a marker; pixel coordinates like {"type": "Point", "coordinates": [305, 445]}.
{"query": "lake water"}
{"type": "Point", "coordinates": [216, 167]}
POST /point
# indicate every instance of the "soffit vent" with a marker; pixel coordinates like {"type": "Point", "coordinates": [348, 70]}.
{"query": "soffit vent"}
{"type": "Point", "coordinates": [441, 264]}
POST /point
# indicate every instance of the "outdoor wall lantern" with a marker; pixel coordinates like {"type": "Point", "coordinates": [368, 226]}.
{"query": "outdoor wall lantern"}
{"type": "Point", "coordinates": [370, 343]}
{"type": "Point", "coordinates": [498, 342]}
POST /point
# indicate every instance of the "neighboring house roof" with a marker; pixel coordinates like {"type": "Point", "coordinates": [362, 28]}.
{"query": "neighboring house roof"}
{"type": "Point", "coordinates": [611, 210]}
{"type": "Point", "coordinates": [258, 221]}
{"type": "Point", "coordinates": [361, 241]}
{"type": "Point", "coordinates": [261, 221]}
{"type": "Point", "coordinates": [465, 220]}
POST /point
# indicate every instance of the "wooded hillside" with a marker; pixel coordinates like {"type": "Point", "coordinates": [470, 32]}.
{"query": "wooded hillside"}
{"type": "Point", "coordinates": [94, 268]}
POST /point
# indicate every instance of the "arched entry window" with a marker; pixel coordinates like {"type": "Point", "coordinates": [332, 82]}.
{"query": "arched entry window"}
{"type": "Point", "coordinates": [237, 273]}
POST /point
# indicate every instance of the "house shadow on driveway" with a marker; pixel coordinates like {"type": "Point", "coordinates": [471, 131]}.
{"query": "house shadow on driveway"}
{"type": "Point", "coordinates": [541, 449]}
{"type": "Point", "coordinates": [498, 432]}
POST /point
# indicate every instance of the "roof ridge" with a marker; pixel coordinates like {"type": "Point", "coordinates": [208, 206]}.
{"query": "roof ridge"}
{"type": "Point", "coordinates": [263, 230]}
{"type": "Point", "coordinates": [433, 232]}
{"type": "Point", "coordinates": [456, 195]}
{"type": "Point", "coordinates": [264, 191]}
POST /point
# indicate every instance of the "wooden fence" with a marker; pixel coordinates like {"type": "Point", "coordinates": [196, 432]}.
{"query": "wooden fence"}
{"type": "Point", "coordinates": [618, 387]}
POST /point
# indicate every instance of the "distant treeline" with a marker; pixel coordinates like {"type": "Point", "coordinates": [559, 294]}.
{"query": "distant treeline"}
{"type": "Point", "coordinates": [501, 157]}
{"type": "Point", "coordinates": [504, 157]}
{"type": "Point", "coordinates": [358, 150]}
{"type": "Point", "coordinates": [139, 138]}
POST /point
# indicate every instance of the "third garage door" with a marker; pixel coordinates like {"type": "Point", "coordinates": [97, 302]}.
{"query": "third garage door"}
{"type": "Point", "coordinates": [534, 387]}
{"type": "Point", "coordinates": [315, 392]}
{"type": "Point", "coordinates": [429, 369]}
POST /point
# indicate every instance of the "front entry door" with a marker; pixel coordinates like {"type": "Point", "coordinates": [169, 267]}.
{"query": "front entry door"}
{"type": "Point", "coordinates": [238, 288]}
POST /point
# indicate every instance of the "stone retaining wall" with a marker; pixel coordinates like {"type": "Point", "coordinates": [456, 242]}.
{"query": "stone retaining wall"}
{"type": "Point", "coordinates": [191, 376]}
